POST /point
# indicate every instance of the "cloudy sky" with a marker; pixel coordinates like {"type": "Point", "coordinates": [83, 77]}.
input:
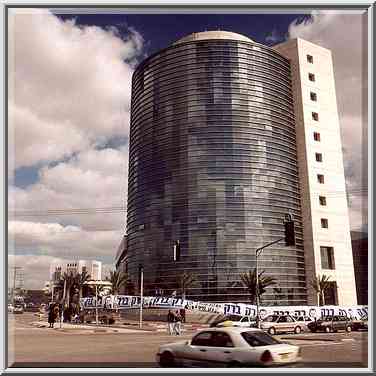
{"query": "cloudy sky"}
{"type": "Point", "coordinates": [69, 104]}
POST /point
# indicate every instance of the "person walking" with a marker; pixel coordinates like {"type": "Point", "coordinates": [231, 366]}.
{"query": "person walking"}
{"type": "Point", "coordinates": [177, 326]}
{"type": "Point", "coordinates": [182, 314]}
{"type": "Point", "coordinates": [170, 322]}
{"type": "Point", "coordinates": [51, 315]}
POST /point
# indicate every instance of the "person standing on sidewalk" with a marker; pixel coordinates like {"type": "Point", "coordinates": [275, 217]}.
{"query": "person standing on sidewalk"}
{"type": "Point", "coordinates": [170, 322]}
{"type": "Point", "coordinates": [51, 317]}
{"type": "Point", "coordinates": [177, 326]}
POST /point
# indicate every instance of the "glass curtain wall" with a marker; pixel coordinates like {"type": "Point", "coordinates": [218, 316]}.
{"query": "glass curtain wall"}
{"type": "Point", "coordinates": [213, 165]}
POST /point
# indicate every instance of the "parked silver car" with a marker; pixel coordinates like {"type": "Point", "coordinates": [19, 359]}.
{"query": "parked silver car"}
{"type": "Point", "coordinates": [281, 324]}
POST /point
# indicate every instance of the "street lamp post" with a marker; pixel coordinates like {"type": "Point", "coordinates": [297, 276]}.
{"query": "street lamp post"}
{"type": "Point", "coordinates": [257, 254]}
{"type": "Point", "coordinates": [141, 291]}
{"type": "Point", "coordinates": [96, 304]}
{"type": "Point", "coordinates": [289, 241]}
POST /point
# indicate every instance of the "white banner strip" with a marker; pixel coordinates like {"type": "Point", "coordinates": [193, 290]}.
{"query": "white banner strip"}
{"type": "Point", "coordinates": [241, 309]}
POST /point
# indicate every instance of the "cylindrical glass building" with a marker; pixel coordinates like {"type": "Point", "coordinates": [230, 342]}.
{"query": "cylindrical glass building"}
{"type": "Point", "coordinates": [213, 165]}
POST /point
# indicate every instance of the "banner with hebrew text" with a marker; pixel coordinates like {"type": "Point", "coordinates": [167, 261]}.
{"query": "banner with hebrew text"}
{"type": "Point", "coordinates": [119, 302]}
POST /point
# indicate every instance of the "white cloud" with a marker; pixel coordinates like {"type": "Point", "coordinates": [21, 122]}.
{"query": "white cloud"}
{"type": "Point", "coordinates": [91, 179]}
{"type": "Point", "coordinates": [53, 239]}
{"type": "Point", "coordinates": [69, 85]}
{"type": "Point", "coordinates": [345, 34]}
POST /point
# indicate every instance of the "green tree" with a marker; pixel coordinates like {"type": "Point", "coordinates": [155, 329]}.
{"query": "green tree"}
{"type": "Point", "coordinates": [185, 281]}
{"type": "Point", "coordinates": [80, 282]}
{"type": "Point", "coordinates": [249, 282]}
{"type": "Point", "coordinates": [69, 281]}
{"type": "Point", "coordinates": [118, 279]}
{"type": "Point", "coordinates": [320, 285]}
{"type": "Point", "coordinates": [279, 295]}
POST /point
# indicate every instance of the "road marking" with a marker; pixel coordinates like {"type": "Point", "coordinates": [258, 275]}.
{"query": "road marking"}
{"type": "Point", "coordinates": [321, 344]}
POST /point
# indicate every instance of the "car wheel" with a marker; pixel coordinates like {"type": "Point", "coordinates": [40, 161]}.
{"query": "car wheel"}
{"type": "Point", "coordinates": [348, 329]}
{"type": "Point", "coordinates": [297, 330]}
{"type": "Point", "coordinates": [167, 359]}
{"type": "Point", "coordinates": [271, 331]}
{"type": "Point", "coordinates": [328, 329]}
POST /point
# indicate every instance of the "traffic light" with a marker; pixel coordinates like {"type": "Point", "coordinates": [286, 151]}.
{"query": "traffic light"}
{"type": "Point", "coordinates": [177, 251]}
{"type": "Point", "coordinates": [289, 233]}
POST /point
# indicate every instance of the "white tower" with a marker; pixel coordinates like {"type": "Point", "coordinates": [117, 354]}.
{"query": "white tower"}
{"type": "Point", "coordinates": [327, 241]}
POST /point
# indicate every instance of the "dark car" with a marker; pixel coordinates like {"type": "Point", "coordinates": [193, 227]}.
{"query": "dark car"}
{"type": "Point", "coordinates": [331, 324]}
{"type": "Point", "coordinates": [18, 308]}
{"type": "Point", "coordinates": [361, 324]}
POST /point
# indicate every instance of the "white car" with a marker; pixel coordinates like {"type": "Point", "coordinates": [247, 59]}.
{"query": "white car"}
{"type": "Point", "coordinates": [238, 321]}
{"type": "Point", "coordinates": [228, 347]}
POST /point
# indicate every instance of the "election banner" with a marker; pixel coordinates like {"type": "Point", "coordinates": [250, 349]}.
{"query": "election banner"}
{"type": "Point", "coordinates": [119, 302]}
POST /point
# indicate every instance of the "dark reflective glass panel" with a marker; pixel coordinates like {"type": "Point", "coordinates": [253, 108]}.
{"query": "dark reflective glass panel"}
{"type": "Point", "coordinates": [213, 165]}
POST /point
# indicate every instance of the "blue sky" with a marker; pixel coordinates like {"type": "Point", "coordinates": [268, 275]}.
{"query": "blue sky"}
{"type": "Point", "coordinates": [69, 119]}
{"type": "Point", "coordinates": [160, 30]}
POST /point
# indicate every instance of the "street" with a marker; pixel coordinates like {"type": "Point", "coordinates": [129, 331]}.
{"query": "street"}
{"type": "Point", "coordinates": [31, 346]}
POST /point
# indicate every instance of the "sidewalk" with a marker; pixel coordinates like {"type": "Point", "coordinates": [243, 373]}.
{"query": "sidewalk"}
{"type": "Point", "coordinates": [126, 326]}
{"type": "Point", "coordinates": [88, 327]}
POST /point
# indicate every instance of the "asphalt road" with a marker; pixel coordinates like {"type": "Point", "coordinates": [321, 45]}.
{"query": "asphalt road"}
{"type": "Point", "coordinates": [44, 347]}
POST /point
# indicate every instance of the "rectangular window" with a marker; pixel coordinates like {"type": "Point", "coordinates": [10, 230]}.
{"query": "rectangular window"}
{"type": "Point", "coordinates": [311, 77]}
{"type": "Point", "coordinates": [322, 200]}
{"type": "Point", "coordinates": [324, 223]}
{"type": "Point", "coordinates": [327, 258]}
{"type": "Point", "coordinates": [316, 136]}
{"type": "Point", "coordinates": [320, 178]}
{"type": "Point", "coordinates": [315, 116]}
{"type": "Point", "coordinates": [318, 157]}
{"type": "Point", "coordinates": [313, 96]}
{"type": "Point", "coordinates": [310, 59]}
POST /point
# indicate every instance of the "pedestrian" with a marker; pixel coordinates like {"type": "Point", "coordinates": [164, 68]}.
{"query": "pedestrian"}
{"type": "Point", "coordinates": [177, 325]}
{"type": "Point", "coordinates": [56, 313]}
{"type": "Point", "coordinates": [51, 315]}
{"type": "Point", "coordinates": [182, 314]}
{"type": "Point", "coordinates": [170, 322]}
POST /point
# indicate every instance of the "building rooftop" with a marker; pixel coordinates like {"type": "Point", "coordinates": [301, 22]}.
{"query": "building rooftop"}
{"type": "Point", "coordinates": [215, 34]}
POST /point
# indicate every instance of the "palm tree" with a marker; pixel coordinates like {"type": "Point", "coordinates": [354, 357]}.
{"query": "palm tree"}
{"type": "Point", "coordinates": [279, 295]}
{"type": "Point", "coordinates": [185, 281]}
{"type": "Point", "coordinates": [249, 281]}
{"type": "Point", "coordinates": [69, 280]}
{"type": "Point", "coordinates": [118, 279]}
{"type": "Point", "coordinates": [58, 289]}
{"type": "Point", "coordinates": [80, 282]}
{"type": "Point", "coordinates": [320, 285]}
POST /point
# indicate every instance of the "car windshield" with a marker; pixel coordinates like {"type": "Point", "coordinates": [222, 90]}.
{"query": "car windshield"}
{"type": "Point", "coordinates": [271, 318]}
{"type": "Point", "coordinates": [259, 339]}
{"type": "Point", "coordinates": [234, 318]}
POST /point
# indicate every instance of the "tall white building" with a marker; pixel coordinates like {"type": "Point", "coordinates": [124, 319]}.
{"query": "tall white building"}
{"type": "Point", "coordinates": [92, 267]}
{"type": "Point", "coordinates": [327, 242]}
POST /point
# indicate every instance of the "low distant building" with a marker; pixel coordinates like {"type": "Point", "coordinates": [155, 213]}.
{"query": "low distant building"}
{"type": "Point", "coordinates": [359, 242]}
{"type": "Point", "coordinates": [92, 267]}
